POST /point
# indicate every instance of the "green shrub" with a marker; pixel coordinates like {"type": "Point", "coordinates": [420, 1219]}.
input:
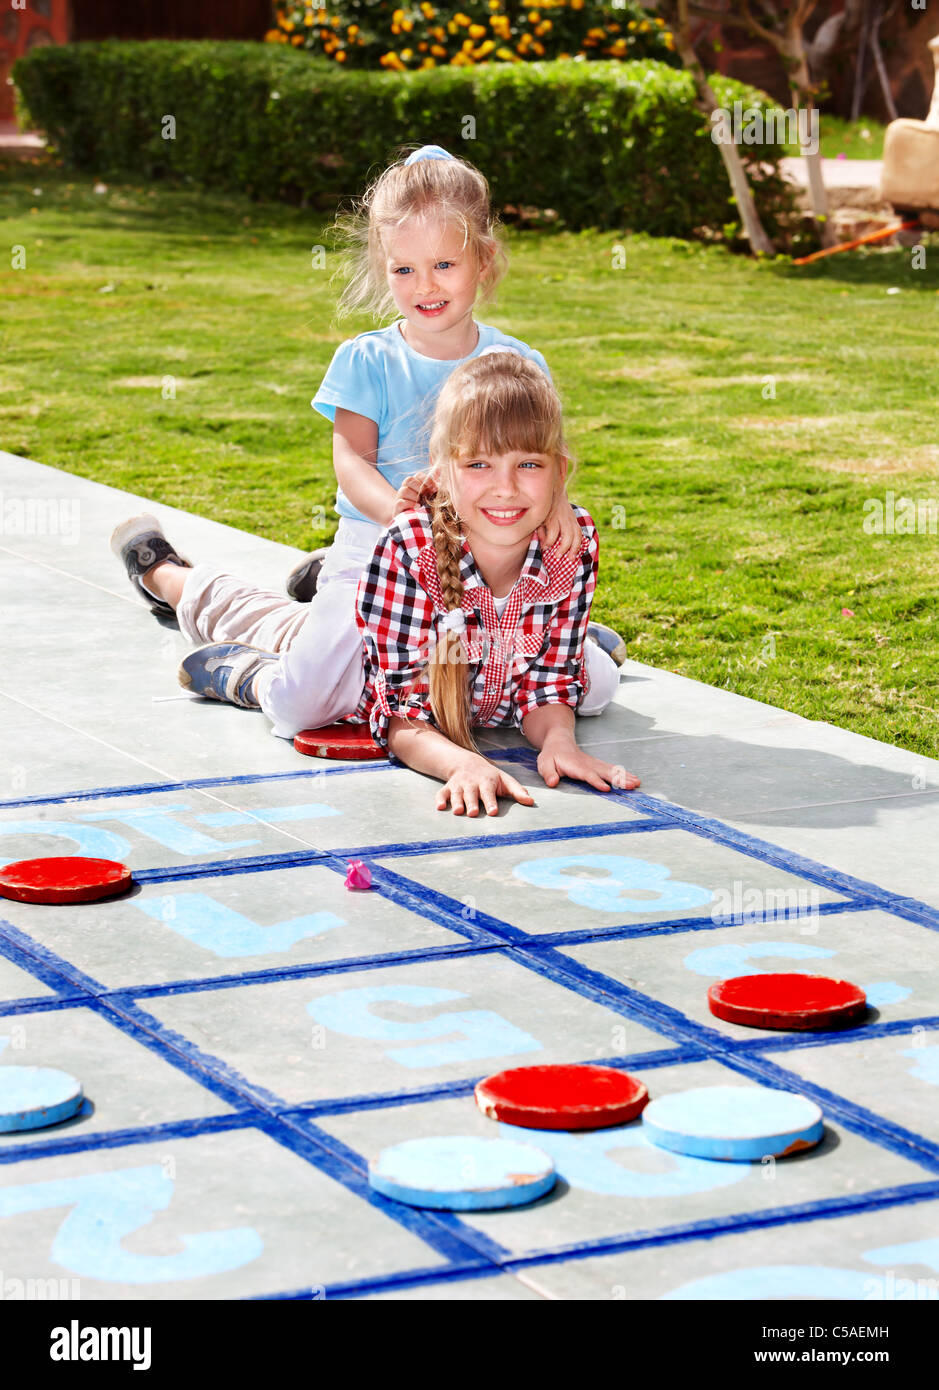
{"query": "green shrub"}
{"type": "Point", "coordinates": [421, 34]}
{"type": "Point", "coordinates": [618, 145]}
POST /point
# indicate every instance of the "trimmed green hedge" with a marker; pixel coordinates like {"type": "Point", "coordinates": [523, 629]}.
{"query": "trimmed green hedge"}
{"type": "Point", "coordinates": [617, 145]}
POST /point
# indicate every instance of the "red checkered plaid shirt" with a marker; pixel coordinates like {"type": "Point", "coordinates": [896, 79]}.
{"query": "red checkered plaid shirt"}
{"type": "Point", "coordinates": [534, 656]}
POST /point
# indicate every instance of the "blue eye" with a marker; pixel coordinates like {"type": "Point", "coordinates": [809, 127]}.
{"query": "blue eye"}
{"type": "Point", "coordinates": [444, 265]}
{"type": "Point", "coordinates": [403, 270]}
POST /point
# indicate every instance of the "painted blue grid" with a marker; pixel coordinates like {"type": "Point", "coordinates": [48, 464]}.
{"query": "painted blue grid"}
{"type": "Point", "coordinates": [468, 1253]}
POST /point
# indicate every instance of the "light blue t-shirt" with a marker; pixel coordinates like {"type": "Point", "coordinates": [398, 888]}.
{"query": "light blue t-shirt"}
{"type": "Point", "coordinates": [378, 375]}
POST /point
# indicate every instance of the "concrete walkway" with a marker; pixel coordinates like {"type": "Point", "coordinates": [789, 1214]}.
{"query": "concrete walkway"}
{"type": "Point", "coordinates": [837, 173]}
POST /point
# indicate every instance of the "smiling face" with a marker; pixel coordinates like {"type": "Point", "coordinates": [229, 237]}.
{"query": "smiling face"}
{"type": "Point", "coordinates": [501, 499]}
{"type": "Point", "coordinates": [433, 276]}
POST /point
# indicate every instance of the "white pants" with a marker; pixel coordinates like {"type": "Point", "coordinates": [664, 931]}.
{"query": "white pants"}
{"type": "Point", "coordinates": [321, 672]}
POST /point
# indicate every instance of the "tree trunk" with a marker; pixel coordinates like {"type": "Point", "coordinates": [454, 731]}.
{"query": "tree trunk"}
{"type": "Point", "coordinates": [760, 243]}
{"type": "Point", "coordinates": [792, 50]}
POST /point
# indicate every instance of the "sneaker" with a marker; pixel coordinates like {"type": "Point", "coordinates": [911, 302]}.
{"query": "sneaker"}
{"type": "Point", "coordinates": [225, 671]}
{"type": "Point", "coordinates": [302, 580]}
{"type": "Point", "coordinates": [141, 544]}
{"type": "Point", "coordinates": [608, 641]}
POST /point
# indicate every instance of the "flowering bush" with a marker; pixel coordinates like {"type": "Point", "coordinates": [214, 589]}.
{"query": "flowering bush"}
{"type": "Point", "coordinates": [373, 33]}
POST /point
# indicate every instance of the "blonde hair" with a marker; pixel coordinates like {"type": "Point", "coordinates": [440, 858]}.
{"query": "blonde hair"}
{"type": "Point", "coordinates": [449, 189]}
{"type": "Point", "coordinates": [498, 403]}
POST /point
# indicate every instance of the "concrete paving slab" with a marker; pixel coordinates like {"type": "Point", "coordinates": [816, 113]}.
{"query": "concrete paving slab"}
{"type": "Point", "coordinates": [126, 1084]}
{"type": "Point", "coordinates": [391, 805]}
{"type": "Point", "coordinates": [220, 925]}
{"type": "Point", "coordinates": [19, 984]}
{"type": "Point", "coordinates": [901, 1070]}
{"type": "Point", "coordinates": [153, 830]}
{"type": "Point", "coordinates": [844, 1257]}
{"type": "Point", "coordinates": [612, 1182]}
{"type": "Point", "coordinates": [256, 1218]}
{"type": "Point", "coordinates": [682, 966]}
{"type": "Point", "coordinates": [386, 1030]}
{"type": "Point", "coordinates": [581, 883]}
{"type": "Point", "coordinates": [890, 840]}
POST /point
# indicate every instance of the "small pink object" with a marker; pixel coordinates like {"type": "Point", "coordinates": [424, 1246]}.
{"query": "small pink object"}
{"type": "Point", "coordinates": [847, 613]}
{"type": "Point", "coordinates": [359, 875]}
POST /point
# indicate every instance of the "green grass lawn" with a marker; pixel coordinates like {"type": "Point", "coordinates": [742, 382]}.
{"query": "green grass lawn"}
{"type": "Point", "coordinates": [863, 139]}
{"type": "Point", "coordinates": [730, 418]}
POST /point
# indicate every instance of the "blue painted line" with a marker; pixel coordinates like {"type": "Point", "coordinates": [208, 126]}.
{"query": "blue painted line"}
{"type": "Point", "coordinates": [39, 1003]}
{"type": "Point", "coordinates": [827, 1209]}
{"type": "Point", "coordinates": [412, 1278]}
{"type": "Point", "coordinates": [866, 1123]}
{"type": "Point", "coordinates": [332, 1158]}
{"type": "Point", "coordinates": [787, 860]}
{"type": "Point", "coordinates": [400, 891]}
{"type": "Point", "coordinates": [76, 1142]}
{"type": "Point", "coordinates": [819, 1037]}
{"type": "Point", "coordinates": [484, 1246]}
{"type": "Point", "coordinates": [217, 868]}
{"type": "Point", "coordinates": [449, 1090]}
{"type": "Point", "coordinates": [43, 964]}
{"type": "Point", "coordinates": [195, 783]}
{"type": "Point", "coordinates": [275, 974]}
{"type": "Point", "coordinates": [682, 924]}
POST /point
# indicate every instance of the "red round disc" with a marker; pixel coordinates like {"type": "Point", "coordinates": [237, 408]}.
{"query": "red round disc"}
{"type": "Point", "coordinates": [787, 1001]}
{"type": "Point", "coordinates": [338, 741]}
{"type": "Point", "coordinates": [70, 879]}
{"type": "Point", "coordinates": [561, 1097]}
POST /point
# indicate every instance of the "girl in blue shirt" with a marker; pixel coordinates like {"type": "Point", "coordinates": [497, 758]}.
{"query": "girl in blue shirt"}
{"type": "Point", "coordinates": [427, 246]}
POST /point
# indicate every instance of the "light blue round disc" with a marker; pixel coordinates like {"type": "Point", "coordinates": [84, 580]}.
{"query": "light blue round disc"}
{"type": "Point", "coordinates": [462, 1173]}
{"type": "Point", "coordinates": [741, 1123]}
{"type": "Point", "coordinates": [33, 1097]}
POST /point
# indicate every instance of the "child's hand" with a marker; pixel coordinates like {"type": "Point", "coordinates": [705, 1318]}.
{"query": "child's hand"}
{"type": "Point", "coordinates": [412, 492]}
{"type": "Point", "coordinates": [555, 762]}
{"type": "Point", "coordinates": [561, 522]}
{"type": "Point", "coordinates": [477, 778]}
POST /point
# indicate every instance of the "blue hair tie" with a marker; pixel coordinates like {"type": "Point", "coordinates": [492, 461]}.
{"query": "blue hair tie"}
{"type": "Point", "coordinates": [428, 152]}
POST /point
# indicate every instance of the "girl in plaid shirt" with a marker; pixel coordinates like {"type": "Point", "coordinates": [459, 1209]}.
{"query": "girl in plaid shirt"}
{"type": "Point", "coordinates": [466, 621]}
{"type": "Point", "coordinates": [427, 246]}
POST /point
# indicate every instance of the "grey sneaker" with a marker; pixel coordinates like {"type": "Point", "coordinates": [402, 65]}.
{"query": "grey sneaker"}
{"type": "Point", "coordinates": [225, 671]}
{"type": "Point", "coordinates": [140, 544]}
{"type": "Point", "coordinates": [608, 641]}
{"type": "Point", "coordinates": [302, 580]}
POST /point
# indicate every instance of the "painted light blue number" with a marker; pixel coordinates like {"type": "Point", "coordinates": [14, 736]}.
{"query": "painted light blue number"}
{"type": "Point", "coordinates": [485, 1034]}
{"type": "Point", "coordinates": [624, 876]}
{"type": "Point", "coordinates": [724, 962]}
{"type": "Point", "coordinates": [224, 932]}
{"type": "Point", "coordinates": [779, 1281]}
{"type": "Point", "coordinates": [157, 824]}
{"type": "Point", "coordinates": [913, 1252]}
{"type": "Point", "coordinates": [926, 1061]}
{"type": "Point", "coordinates": [97, 844]}
{"type": "Point", "coordinates": [583, 1161]}
{"type": "Point", "coordinates": [820, 1281]}
{"type": "Point", "coordinates": [106, 1207]}
{"type": "Point", "coordinates": [883, 992]}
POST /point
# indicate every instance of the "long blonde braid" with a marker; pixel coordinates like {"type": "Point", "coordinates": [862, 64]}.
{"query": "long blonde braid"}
{"type": "Point", "coordinates": [448, 676]}
{"type": "Point", "coordinates": [497, 402]}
